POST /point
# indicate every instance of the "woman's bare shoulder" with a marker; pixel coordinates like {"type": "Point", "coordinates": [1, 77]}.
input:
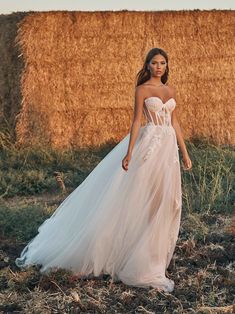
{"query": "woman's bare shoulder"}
{"type": "Point", "coordinates": [140, 89]}
{"type": "Point", "coordinates": [172, 89]}
{"type": "Point", "coordinates": [141, 86]}
{"type": "Point", "coordinates": [140, 93]}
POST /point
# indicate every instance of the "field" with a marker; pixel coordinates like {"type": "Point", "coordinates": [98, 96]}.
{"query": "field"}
{"type": "Point", "coordinates": [33, 183]}
{"type": "Point", "coordinates": [57, 88]}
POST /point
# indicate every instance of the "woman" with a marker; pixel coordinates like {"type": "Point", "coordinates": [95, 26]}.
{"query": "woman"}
{"type": "Point", "coordinates": [124, 218]}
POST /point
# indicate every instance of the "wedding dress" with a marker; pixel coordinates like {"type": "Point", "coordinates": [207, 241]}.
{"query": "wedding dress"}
{"type": "Point", "coordinates": [117, 222]}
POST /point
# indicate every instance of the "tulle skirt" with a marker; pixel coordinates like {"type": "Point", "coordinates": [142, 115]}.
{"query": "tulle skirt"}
{"type": "Point", "coordinates": [117, 222]}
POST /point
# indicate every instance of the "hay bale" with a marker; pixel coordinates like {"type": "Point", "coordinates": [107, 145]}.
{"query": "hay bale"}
{"type": "Point", "coordinates": [11, 66]}
{"type": "Point", "coordinates": [80, 67]}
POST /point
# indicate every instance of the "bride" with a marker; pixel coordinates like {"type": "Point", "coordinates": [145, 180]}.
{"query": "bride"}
{"type": "Point", "coordinates": [123, 219]}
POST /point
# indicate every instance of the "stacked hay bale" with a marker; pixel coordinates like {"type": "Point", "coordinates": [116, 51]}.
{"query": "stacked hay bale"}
{"type": "Point", "coordinates": [11, 66]}
{"type": "Point", "coordinates": [80, 69]}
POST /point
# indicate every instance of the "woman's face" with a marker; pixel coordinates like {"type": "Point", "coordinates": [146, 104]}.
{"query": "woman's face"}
{"type": "Point", "coordinates": [157, 65]}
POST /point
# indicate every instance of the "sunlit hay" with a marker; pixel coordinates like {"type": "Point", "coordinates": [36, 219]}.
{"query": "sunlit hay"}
{"type": "Point", "coordinates": [79, 78]}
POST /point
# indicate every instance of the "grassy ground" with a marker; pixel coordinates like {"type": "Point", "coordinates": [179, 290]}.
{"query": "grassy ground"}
{"type": "Point", "coordinates": [202, 266]}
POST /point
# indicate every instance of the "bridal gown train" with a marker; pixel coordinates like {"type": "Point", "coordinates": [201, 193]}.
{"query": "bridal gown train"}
{"type": "Point", "coordinates": [117, 222]}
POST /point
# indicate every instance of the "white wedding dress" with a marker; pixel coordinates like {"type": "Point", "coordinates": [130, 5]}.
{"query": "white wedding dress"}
{"type": "Point", "coordinates": [117, 222]}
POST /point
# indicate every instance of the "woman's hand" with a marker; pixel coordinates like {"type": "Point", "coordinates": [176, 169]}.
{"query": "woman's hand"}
{"type": "Point", "coordinates": [125, 161]}
{"type": "Point", "coordinates": [187, 162]}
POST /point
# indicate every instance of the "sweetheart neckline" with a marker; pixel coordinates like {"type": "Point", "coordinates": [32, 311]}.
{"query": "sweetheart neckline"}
{"type": "Point", "coordinates": [160, 99]}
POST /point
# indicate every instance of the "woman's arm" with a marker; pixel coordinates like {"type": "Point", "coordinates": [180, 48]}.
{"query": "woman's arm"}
{"type": "Point", "coordinates": [136, 123]}
{"type": "Point", "coordinates": [179, 136]}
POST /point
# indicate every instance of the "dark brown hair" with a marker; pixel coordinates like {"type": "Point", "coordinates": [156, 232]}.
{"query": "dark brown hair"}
{"type": "Point", "coordinates": [144, 74]}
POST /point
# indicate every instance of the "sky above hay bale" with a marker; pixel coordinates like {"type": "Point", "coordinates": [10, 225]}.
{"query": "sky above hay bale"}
{"type": "Point", "coordinates": [7, 7]}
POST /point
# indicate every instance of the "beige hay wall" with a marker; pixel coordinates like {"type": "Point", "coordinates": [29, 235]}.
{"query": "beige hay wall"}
{"type": "Point", "coordinates": [80, 67]}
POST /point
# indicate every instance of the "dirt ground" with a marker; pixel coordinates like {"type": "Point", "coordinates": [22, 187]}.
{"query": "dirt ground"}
{"type": "Point", "coordinates": [202, 268]}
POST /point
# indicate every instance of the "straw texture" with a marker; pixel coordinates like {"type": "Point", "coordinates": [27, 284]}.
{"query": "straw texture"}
{"type": "Point", "coordinates": [79, 77]}
{"type": "Point", "coordinates": [11, 66]}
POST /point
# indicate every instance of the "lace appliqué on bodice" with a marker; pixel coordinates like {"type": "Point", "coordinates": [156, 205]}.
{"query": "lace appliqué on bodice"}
{"type": "Point", "coordinates": [158, 114]}
{"type": "Point", "coordinates": [155, 140]}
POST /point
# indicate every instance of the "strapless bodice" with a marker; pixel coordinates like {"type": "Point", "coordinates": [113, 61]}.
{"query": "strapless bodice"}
{"type": "Point", "coordinates": [156, 104]}
{"type": "Point", "coordinates": [157, 112]}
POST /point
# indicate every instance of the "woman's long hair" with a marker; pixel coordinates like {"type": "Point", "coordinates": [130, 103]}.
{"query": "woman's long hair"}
{"type": "Point", "coordinates": [144, 74]}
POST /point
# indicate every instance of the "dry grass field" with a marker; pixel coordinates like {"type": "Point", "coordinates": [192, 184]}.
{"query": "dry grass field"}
{"type": "Point", "coordinates": [203, 262]}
